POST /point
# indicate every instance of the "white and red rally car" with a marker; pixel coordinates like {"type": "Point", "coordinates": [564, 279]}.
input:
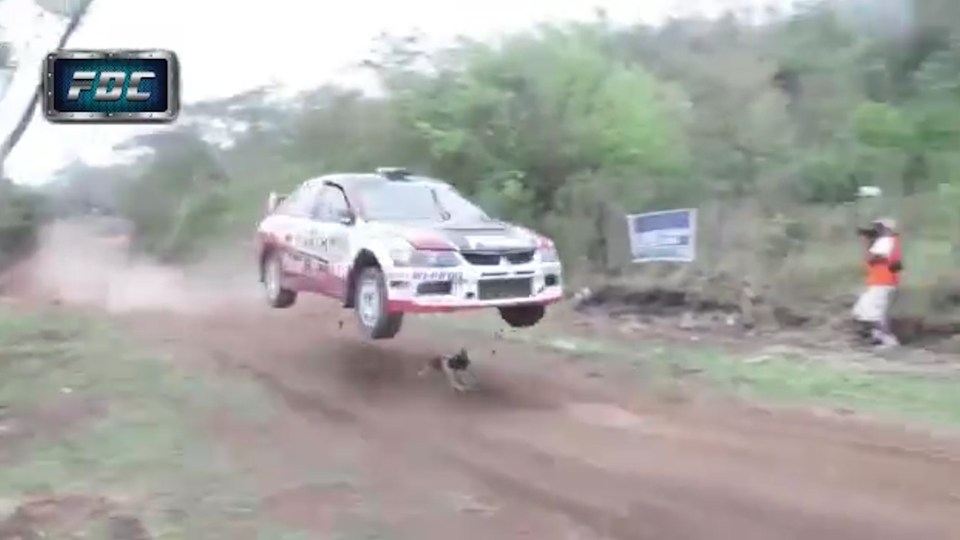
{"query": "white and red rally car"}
{"type": "Point", "coordinates": [390, 243]}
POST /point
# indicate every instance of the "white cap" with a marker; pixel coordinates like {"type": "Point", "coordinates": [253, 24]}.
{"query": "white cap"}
{"type": "Point", "coordinates": [887, 223]}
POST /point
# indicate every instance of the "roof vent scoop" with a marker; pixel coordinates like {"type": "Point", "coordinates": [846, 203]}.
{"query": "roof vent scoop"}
{"type": "Point", "coordinates": [393, 173]}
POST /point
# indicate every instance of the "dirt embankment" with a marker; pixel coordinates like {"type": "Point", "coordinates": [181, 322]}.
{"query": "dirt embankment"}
{"type": "Point", "coordinates": [540, 451]}
{"type": "Point", "coordinates": [740, 310]}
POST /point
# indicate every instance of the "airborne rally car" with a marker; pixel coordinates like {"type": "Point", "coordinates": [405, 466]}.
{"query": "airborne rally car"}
{"type": "Point", "coordinates": [390, 243]}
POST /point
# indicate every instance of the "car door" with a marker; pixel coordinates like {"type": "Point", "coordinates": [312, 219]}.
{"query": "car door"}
{"type": "Point", "coordinates": [325, 243]}
{"type": "Point", "coordinates": [335, 239]}
{"type": "Point", "coordinates": [291, 226]}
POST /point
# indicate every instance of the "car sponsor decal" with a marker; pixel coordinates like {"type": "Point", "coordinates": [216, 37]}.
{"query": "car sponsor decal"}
{"type": "Point", "coordinates": [307, 240]}
{"type": "Point", "coordinates": [437, 275]}
{"type": "Point", "coordinates": [340, 270]}
{"type": "Point", "coordinates": [312, 266]}
{"type": "Point", "coordinates": [308, 264]}
{"type": "Point", "coordinates": [322, 245]}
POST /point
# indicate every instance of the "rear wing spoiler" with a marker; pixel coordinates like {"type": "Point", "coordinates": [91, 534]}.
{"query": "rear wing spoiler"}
{"type": "Point", "coordinates": [274, 200]}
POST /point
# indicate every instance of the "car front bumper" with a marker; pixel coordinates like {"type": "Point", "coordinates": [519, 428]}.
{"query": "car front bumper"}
{"type": "Point", "coordinates": [427, 290]}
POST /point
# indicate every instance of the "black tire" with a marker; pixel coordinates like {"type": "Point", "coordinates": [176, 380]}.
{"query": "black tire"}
{"type": "Point", "coordinates": [379, 323]}
{"type": "Point", "coordinates": [522, 316]}
{"type": "Point", "coordinates": [277, 296]}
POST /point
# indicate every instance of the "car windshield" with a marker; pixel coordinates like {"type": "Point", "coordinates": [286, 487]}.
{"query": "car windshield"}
{"type": "Point", "coordinates": [417, 202]}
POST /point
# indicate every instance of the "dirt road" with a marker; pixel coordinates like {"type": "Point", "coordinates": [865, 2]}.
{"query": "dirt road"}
{"type": "Point", "coordinates": [543, 453]}
{"type": "Point", "coordinates": [540, 451]}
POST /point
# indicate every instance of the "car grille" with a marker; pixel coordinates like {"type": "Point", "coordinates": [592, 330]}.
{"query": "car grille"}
{"type": "Point", "coordinates": [493, 259]}
{"type": "Point", "coordinates": [482, 259]}
{"type": "Point", "coordinates": [520, 258]}
{"type": "Point", "coordinates": [500, 289]}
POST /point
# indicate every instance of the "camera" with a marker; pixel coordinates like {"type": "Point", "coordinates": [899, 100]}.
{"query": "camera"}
{"type": "Point", "coordinates": [870, 233]}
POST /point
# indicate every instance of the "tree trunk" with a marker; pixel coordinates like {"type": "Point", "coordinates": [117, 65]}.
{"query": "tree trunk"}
{"type": "Point", "coordinates": [27, 116]}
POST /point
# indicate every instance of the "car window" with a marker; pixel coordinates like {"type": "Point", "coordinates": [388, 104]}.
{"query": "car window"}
{"type": "Point", "coordinates": [460, 207]}
{"type": "Point", "coordinates": [400, 202]}
{"type": "Point", "coordinates": [300, 203]}
{"type": "Point", "coordinates": [331, 203]}
{"type": "Point", "coordinates": [335, 202]}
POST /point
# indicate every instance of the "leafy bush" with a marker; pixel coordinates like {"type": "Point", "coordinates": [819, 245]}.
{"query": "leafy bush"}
{"type": "Point", "coordinates": [22, 213]}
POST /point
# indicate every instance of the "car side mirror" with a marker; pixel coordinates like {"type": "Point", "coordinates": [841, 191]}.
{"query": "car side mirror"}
{"type": "Point", "coordinates": [274, 200]}
{"type": "Point", "coordinates": [346, 217]}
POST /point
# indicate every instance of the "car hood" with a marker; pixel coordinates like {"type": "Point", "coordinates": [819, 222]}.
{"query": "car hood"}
{"type": "Point", "coordinates": [486, 236]}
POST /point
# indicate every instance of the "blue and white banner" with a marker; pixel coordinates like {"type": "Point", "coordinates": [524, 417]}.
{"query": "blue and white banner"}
{"type": "Point", "coordinates": [663, 236]}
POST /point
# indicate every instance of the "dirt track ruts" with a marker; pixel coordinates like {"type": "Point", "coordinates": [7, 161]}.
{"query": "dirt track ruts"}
{"type": "Point", "coordinates": [551, 454]}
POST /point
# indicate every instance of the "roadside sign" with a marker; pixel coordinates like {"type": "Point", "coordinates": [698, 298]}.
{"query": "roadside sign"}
{"type": "Point", "coordinates": [668, 235]}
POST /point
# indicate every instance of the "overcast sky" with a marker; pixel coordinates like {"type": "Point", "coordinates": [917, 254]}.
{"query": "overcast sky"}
{"type": "Point", "coordinates": [228, 46]}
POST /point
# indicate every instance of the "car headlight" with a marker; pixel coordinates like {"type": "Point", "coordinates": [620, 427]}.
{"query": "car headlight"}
{"type": "Point", "coordinates": [419, 257]}
{"type": "Point", "coordinates": [549, 254]}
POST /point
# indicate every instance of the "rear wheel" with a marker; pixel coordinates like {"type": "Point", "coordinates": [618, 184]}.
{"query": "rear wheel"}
{"type": "Point", "coordinates": [522, 316]}
{"type": "Point", "coordinates": [277, 295]}
{"type": "Point", "coordinates": [371, 306]}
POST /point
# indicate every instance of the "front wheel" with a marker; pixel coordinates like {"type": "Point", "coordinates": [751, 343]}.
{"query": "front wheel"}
{"type": "Point", "coordinates": [371, 306]}
{"type": "Point", "coordinates": [522, 316]}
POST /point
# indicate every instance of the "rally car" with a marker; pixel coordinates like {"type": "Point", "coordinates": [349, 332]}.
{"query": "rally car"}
{"type": "Point", "coordinates": [391, 242]}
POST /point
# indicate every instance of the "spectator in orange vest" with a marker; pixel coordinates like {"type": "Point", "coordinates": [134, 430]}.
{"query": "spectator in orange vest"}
{"type": "Point", "coordinates": [883, 265]}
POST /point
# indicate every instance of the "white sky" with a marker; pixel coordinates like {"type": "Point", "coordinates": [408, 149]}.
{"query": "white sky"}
{"type": "Point", "coordinates": [228, 46]}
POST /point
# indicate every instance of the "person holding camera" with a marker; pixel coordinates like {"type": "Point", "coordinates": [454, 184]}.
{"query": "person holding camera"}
{"type": "Point", "coordinates": [883, 264]}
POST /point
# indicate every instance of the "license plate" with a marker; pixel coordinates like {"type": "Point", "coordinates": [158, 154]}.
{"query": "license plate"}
{"type": "Point", "coordinates": [501, 289]}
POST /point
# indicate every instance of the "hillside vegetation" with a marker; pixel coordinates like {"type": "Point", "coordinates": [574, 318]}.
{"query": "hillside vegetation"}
{"type": "Point", "coordinates": [767, 128]}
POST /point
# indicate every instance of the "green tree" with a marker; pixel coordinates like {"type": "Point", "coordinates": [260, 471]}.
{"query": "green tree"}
{"type": "Point", "coordinates": [565, 128]}
{"type": "Point", "coordinates": [515, 122]}
{"type": "Point", "coordinates": [73, 11]}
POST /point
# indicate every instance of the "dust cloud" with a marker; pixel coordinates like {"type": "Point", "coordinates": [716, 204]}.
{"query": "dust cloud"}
{"type": "Point", "coordinates": [75, 265]}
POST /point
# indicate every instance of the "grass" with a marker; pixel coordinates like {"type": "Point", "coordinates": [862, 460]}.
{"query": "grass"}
{"type": "Point", "coordinates": [783, 378]}
{"type": "Point", "coordinates": [145, 445]}
{"type": "Point", "coordinates": [794, 380]}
